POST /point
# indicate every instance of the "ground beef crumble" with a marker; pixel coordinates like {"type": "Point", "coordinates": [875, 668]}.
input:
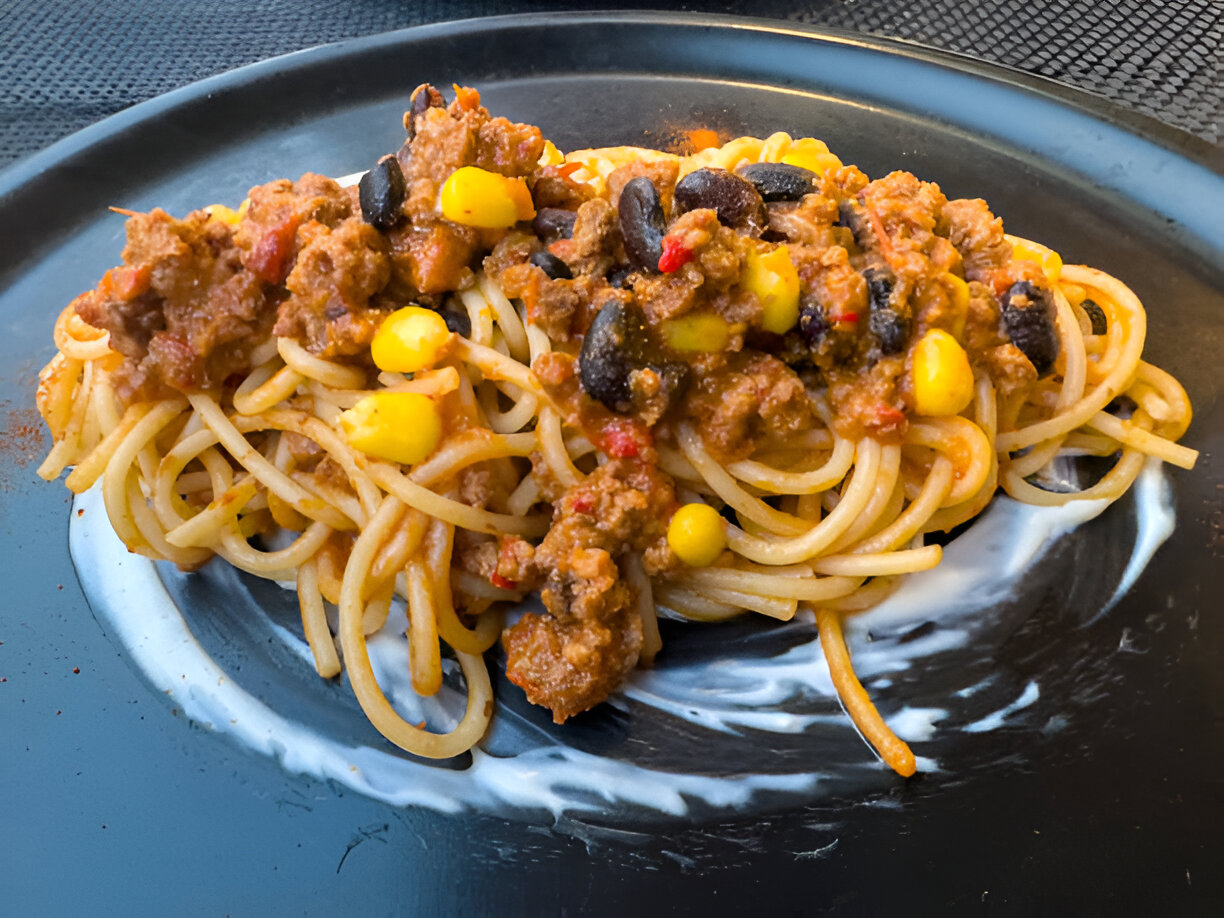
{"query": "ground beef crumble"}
{"type": "Point", "coordinates": [572, 657]}
{"type": "Point", "coordinates": [742, 400]}
{"type": "Point", "coordinates": [183, 310]}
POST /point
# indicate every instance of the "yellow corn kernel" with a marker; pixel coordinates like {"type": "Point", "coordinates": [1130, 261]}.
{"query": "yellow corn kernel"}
{"type": "Point", "coordinates": [1050, 261]}
{"type": "Point", "coordinates": [772, 277]}
{"type": "Point", "coordinates": [476, 197]}
{"type": "Point", "coordinates": [223, 214]}
{"type": "Point", "coordinates": [697, 534]}
{"type": "Point", "coordinates": [941, 376]}
{"type": "Point", "coordinates": [410, 339]}
{"type": "Point", "coordinates": [958, 293]}
{"type": "Point", "coordinates": [702, 331]}
{"type": "Point", "coordinates": [402, 427]}
{"type": "Point", "coordinates": [551, 155]}
{"type": "Point", "coordinates": [811, 154]}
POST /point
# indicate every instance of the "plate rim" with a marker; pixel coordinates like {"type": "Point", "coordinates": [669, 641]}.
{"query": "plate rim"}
{"type": "Point", "coordinates": [1176, 140]}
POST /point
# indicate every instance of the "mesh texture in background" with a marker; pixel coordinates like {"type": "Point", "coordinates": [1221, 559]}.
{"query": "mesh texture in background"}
{"type": "Point", "coordinates": [65, 64]}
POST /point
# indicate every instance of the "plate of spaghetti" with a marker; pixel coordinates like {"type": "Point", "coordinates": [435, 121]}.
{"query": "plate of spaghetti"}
{"type": "Point", "coordinates": [705, 461]}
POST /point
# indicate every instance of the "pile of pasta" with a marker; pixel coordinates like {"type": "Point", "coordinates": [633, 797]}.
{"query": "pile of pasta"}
{"type": "Point", "coordinates": [189, 478]}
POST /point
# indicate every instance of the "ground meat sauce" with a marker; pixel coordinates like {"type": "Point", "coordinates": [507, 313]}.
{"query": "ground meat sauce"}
{"type": "Point", "coordinates": [573, 657]}
{"type": "Point", "coordinates": [183, 309]}
{"type": "Point", "coordinates": [879, 264]}
{"type": "Point", "coordinates": [745, 400]}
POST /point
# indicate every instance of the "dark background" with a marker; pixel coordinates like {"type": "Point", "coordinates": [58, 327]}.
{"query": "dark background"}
{"type": "Point", "coordinates": [65, 64]}
{"type": "Point", "coordinates": [178, 821]}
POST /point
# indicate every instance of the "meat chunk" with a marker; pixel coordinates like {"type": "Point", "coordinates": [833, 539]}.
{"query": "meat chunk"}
{"type": "Point", "coordinates": [336, 273]}
{"type": "Point", "coordinates": [808, 221]}
{"type": "Point", "coordinates": [749, 398]}
{"type": "Point", "coordinates": [463, 134]}
{"type": "Point", "coordinates": [183, 310]}
{"type": "Point", "coordinates": [431, 255]}
{"type": "Point", "coordinates": [718, 253]}
{"type": "Point", "coordinates": [554, 188]}
{"type": "Point", "coordinates": [268, 234]}
{"type": "Point", "coordinates": [977, 235]}
{"type": "Point", "coordinates": [870, 402]}
{"type": "Point", "coordinates": [570, 664]}
{"type": "Point", "coordinates": [571, 658]}
{"type": "Point", "coordinates": [433, 258]}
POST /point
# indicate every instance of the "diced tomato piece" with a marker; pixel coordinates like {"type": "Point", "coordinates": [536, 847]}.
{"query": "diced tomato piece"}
{"type": "Point", "coordinates": [582, 503]}
{"type": "Point", "coordinates": [886, 419]}
{"type": "Point", "coordinates": [625, 439]}
{"type": "Point", "coordinates": [675, 255]}
{"type": "Point", "coordinates": [563, 249]}
{"type": "Point", "coordinates": [1000, 280]}
{"type": "Point", "coordinates": [499, 581]}
{"type": "Point", "coordinates": [127, 282]}
{"type": "Point", "coordinates": [269, 259]}
{"type": "Point", "coordinates": [845, 317]}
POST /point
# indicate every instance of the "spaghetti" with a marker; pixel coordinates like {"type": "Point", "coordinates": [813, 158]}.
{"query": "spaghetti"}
{"type": "Point", "coordinates": [747, 379]}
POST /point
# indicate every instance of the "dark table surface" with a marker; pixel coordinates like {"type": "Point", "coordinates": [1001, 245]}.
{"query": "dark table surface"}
{"type": "Point", "coordinates": [65, 65]}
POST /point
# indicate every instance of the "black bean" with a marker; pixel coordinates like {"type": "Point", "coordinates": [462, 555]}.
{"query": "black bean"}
{"type": "Point", "coordinates": [642, 222]}
{"type": "Point", "coordinates": [880, 284]}
{"type": "Point", "coordinates": [734, 199]}
{"type": "Point", "coordinates": [1096, 315]}
{"type": "Point", "coordinates": [551, 265]}
{"type": "Point", "coordinates": [780, 181]}
{"type": "Point", "coordinates": [813, 323]}
{"type": "Point", "coordinates": [1028, 321]}
{"type": "Point", "coordinates": [618, 274]}
{"type": "Point", "coordinates": [424, 97]}
{"type": "Point", "coordinates": [890, 328]}
{"type": "Point", "coordinates": [617, 345]}
{"type": "Point", "coordinates": [458, 321]}
{"type": "Point", "coordinates": [614, 346]}
{"type": "Point", "coordinates": [381, 192]}
{"type": "Point", "coordinates": [553, 223]}
{"type": "Point", "coordinates": [853, 215]}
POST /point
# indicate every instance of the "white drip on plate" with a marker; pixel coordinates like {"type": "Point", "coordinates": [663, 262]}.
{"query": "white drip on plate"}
{"type": "Point", "coordinates": [722, 693]}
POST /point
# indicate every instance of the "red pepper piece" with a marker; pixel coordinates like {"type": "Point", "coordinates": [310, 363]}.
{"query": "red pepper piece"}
{"type": "Point", "coordinates": [269, 259]}
{"type": "Point", "coordinates": [625, 439]}
{"type": "Point", "coordinates": [886, 419]}
{"type": "Point", "coordinates": [1000, 279]}
{"type": "Point", "coordinates": [675, 255]}
{"type": "Point", "coordinates": [845, 317]}
{"type": "Point", "coordinates": [499, 581]}
{"type": "Point", "coordinates": [563, 249]}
